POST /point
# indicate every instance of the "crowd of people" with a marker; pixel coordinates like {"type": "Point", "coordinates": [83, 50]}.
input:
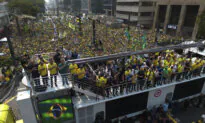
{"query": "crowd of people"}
{"type": "Point", "coordinates": [143, 72]}
{"type": "Point", "coordinates": [37, 36]}
{"type": "Point", "coordinates": [6, 75]}
{"type": "Point", "coordinates": [113, 77]}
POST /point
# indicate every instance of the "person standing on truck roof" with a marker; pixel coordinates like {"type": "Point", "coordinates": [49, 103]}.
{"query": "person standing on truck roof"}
{"type": "Point", "coordinates": [53, 68]}
{"type": "Point", "coordinates": [63, 70]}
{"type": "Point", "coordinates": [43, 70]}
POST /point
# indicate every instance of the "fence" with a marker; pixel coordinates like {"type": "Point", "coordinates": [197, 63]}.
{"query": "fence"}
{"type": "Point", "coordinates": [124, 87]}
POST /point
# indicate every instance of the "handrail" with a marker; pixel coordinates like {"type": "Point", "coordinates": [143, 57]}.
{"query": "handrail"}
{"type": "Point", "coordinates": [90, 84]}
{"type": "Point", "coordinates": [126, 54]}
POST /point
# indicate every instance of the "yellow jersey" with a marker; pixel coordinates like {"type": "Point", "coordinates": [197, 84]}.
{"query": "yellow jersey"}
{"type": "Point", "coordinates": [73, 68]}
{"type": "Point", "coordinates": [103, 81]}
{"type": "Point", "coordinates": [127, 72]}
{"type": "Point", "coordinates": [81, 73]}
{"type": "Point", "coordinates": [52, 68]}
{"type": "Point", "coordinates": [180, 68]}
{"type": "Point", "coordinates": [43, 70]}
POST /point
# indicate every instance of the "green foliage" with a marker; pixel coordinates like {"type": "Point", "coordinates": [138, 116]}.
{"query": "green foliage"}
{"type": "Point", "coordinates": [76, 5]}
{"type": "Point", "coordinates": [201, 20]}
{"type": "Point", "coordinates": [29, 7]}
{"type": "Point", "coordinates": [97, 6]}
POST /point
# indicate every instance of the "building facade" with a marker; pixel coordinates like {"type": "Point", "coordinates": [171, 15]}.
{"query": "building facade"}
{"type": "Point", "coordinates": [4, 18]}
{"type": "Point", "coordinates": [109, 7]}
{"type": "Point", "coordinates": [140, 11]}
{"type": "Point", "coordinates": [178, 17]}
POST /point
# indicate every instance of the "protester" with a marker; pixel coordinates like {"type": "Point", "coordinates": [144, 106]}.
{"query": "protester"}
{"type": "Point", "coordinates": [57, 57]}
{"type": "Point", "coordinates": [43, 70]}
{"type": "Point", "coordinates": [53, 68]}
{"type": "Point", "coordinates": [63, 70]}
{"type": "Point", "coordinates": [33, 67]}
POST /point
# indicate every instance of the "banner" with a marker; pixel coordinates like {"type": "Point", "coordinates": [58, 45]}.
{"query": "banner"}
{"type": "Point", "coordinates": [71, 26]}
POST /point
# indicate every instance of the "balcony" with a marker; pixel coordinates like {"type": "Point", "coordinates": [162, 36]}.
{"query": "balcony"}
{"type": "Point", "coordinates": [146, 18]}
{"type": "Point", "coordinates": [124, 16]}
{"type": "Point", "coordinates": [127, 8]}
{"type": "Point", "coordinates": [127, 0]}
{"type": "Point", "coordinates": [146, 9]}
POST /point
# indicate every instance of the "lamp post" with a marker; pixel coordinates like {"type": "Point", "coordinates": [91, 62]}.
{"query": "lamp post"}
{"type": "Point", "coordinates": [7, 34]}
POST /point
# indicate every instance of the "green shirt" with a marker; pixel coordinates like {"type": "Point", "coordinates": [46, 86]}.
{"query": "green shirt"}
{"type": "Point", "coordinates": [63, 68]}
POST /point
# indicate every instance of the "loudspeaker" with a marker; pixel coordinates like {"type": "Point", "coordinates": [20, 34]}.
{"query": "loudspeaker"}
{"type": "Point", "coordinates": [40, 88]}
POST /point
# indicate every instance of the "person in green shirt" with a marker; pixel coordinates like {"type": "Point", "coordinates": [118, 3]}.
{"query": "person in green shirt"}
{"type": "Point", "coordinates": [63, 70]}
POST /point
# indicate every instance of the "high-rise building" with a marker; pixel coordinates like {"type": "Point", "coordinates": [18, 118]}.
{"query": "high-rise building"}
{"type": "Point", "coordinates": [178, 17]}
{"type": "Point", "coordinates": [136, 11]}
{"type": "Point", "coordinates": [109, 7]}
{"type": "Point", "coordinates": [4, 18]}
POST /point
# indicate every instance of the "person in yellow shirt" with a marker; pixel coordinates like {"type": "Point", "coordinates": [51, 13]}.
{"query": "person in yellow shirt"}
{"type": "Point", "coordinates": [180, 71]}
{"type": "Point", "coordinates": [53, 68]}
{"type": "Point", "coordinates": [170, 74]}
{"type": "Point", "coordinates": [73, 68]}
{"type": "Point", "coordinates": [97, 81]}
{"type": "Point", "coordinates": [80, 72]}
{"type": "Point", "coordinates": [150, 77]}
{"type": "Point", "coordinates": [42, 69]}
{"type": "Point", "coordinates": [134, 82]}
{"type": "Point", "coordinates": [103, 81]}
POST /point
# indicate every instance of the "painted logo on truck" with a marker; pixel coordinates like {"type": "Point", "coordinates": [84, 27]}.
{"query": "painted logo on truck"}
{"type": "Point", "coordinates": [157, 93]}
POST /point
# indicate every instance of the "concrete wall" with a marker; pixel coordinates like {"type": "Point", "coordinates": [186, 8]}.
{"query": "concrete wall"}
{"type": "Point", "coordinates": [181, 2]}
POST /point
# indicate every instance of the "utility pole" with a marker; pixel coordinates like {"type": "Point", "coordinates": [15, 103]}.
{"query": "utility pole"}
{"type": "Point", "coordinates": [57, 5]}
{"type": "Point", "coordinates": [18, 27]}
{"type": "Point", "coordinates": [106, 23]}
{"type": "Point", "coordinates": [129, 22]}
{"type": "Point", "coordinates": [7, 34]}
{"type": "Point", "coordinates": [94, 34]}
{"type": "Point", "coordinates": [79, 24]}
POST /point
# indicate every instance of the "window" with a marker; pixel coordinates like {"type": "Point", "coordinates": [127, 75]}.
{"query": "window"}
{"type": "Point", "coordinates": [147, 3]}
{"type": "Point", "coordinates": [127, 13]}
{"type": "Point", "coordinates": [146, 13]}
{"type": "Point", "coordinates": [128, 3]}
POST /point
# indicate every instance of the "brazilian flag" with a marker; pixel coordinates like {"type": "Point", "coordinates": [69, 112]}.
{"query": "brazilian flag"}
{"type": "Point", "coordinates": [56, 110]}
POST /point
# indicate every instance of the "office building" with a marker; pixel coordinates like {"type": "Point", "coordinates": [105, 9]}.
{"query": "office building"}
{"type": "Point", "coordinates": [178, 17]}
{"type": "Point", "coordinates": [140, 11]}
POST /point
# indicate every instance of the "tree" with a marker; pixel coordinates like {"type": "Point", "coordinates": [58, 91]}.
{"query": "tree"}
{"type": "Point", "coordinates": [97, 6]}
{"type": "Point", "coordinates": [76, 5]}
{"type": "Point", "coordinates": [29, 7]}
{"type": "Point", "coordinates": [201, 21]}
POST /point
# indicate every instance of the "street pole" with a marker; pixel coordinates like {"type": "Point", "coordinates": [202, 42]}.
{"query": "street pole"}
{"type": "Point", "coordinates": [6, 30]}
{"type": "Point", "coordinates": [80, 25]}
{"type": "Point", "coordinates": [94, 34]}
{"type": "Point", "coordinates": [129, 22]}
{"type": "Point", "coordinates": [106, 23]}
{"type": "Point", "coordinates": [18, 27]}
{"type": "Point", "coordinates": [57, 5]}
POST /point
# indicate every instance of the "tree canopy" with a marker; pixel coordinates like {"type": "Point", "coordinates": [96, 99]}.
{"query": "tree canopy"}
{"type": "Point", "coordinates": [30, 7]}
{"type": "Point", "coordinates": [97, 6]}
{"type": "Point", "coordinates": [76, 5]}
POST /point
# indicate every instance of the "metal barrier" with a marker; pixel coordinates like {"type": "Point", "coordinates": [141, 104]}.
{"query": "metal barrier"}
{"type": "Point", "coordinates": [125, 87]}
{"type": "Point", "coordinates": [50, 81]}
